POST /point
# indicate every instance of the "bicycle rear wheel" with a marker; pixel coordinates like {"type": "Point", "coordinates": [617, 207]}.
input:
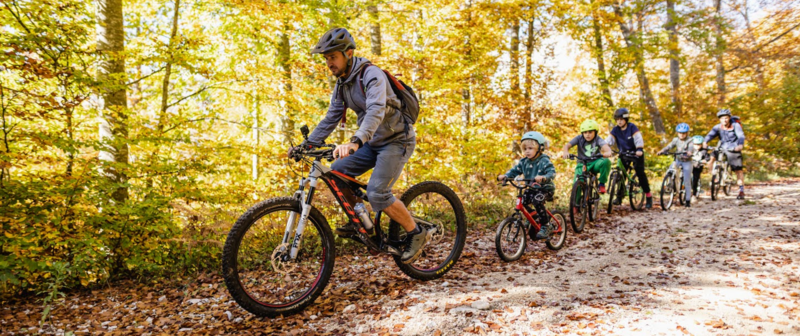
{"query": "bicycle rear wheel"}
{"type": "Point", "coordinates": [594, 202]}
{"type": "Point", "coordinates": [612, 193]}
{"type": "Point", "coordinates": [258, 271]}
{"type": "Point", "coordinates": [578, 206]}
{"type": "Point", "coordinates": [667, 194]}
{"type": "Point", "coordinates": [635, 193]}
{"type": "Point", "coordinates": [511, 238]}
{"type": "Point", "coordinates": [559, 235]}
{"type": "Point", "coordinates": [437, 207]}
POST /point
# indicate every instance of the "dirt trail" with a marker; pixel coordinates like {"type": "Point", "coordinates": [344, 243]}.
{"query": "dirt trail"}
{"type": "Point", "coordinates": [726, 267]}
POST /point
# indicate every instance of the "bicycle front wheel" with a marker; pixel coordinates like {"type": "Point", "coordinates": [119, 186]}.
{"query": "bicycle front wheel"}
{"type": "Point", "coordinates": [559, 235]}
{"type": "Point", "coordinates": [438, 208]}
{"type": "Point", "coordinates": [716, 177]}
{"type": "Point", "coordinates": [667, 191]}
{"type": "Point", "coordinates": [635, 193]}
{"type": "Point", "coordinates": [511, 238]}
{"type": "Point", "coordinates": [578, 206]}
{"type": "Point", "coordinates": [612, 193]}
{"type": "Point", "coordinates": [260, 273]}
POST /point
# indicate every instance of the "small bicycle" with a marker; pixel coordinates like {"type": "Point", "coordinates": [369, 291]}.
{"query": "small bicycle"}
{"type": "Point", "coordinates": [512, 234]}
{"type": "Point", "coordinates": [619, 177]}
{"type": "Point", "coordinates": [673, 182]}
{"type": "Point", "coordinates": [720, 173]}
{"type": "Point", "coordinates": [280, 254]}
{"type": "Point", "coordinates": [584, 201]}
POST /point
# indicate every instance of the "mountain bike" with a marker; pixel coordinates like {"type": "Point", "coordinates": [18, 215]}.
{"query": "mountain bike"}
{"type": "Point", "coordinates": [720, 173]}
{"type": "Point", "coordinates": [673, 182]}
{"type": "Point", "coordinates": [512, 234]}
{"type": "Point", "coordinates": [280, 254]}
{"type": "Point", "coordinates": [619, 177]}
{"type": "Point", "coordinates": [584, 200]}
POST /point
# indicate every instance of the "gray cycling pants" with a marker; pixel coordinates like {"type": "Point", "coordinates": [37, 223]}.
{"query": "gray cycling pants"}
{"type": "Point", "coordinates": [388, 161]}
{"type": "Point", "coordinates": [687, 178]}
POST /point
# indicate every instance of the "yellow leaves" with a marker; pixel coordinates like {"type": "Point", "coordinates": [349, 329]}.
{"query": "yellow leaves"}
{"type": "Point", "coordinates": [8, 234]}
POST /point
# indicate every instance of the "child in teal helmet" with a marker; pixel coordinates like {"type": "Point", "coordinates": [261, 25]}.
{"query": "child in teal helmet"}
{"type": "Point", "coordinates": [699, 160]}
{"type": "Point", "coordinates": [593, 148]}
{"type": "Point", "coordinates": [536, 166]}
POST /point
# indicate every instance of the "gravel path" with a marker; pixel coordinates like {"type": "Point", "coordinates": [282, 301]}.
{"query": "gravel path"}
{"type": "Point", "coordinates": [727, 267]}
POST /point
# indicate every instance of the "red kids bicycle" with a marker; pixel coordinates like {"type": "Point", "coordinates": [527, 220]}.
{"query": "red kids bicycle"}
{"type": "Point", "coordinates": [512, 233]}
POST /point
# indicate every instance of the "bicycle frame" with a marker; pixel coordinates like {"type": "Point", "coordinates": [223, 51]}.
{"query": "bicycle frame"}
{"type": "Point", "coordinates": [520, 208]}
{"type": "Point", "coordinates": [336, 182]}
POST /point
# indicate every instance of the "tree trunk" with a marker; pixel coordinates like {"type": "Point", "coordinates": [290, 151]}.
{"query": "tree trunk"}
{"type": "Point", "coordinates": [168, 68]}
{"type": "Point", "coordinates": [719, 50]}
{"type": "Point", "coordinates": [674, 64]}
{"type": "Point", "coordinates": [374, 30]}
{"type": "Point", "coordinates": [514, 54]}
{"type": "Point", "coordinates": [284, 54]}
{"type": "Point", "coordinates": [633, 43]}
{"type": "Point", "coordinates": [601, 65]}
{"type": "Point", "coordinates": [113, 130]}
{"type": "Point", "coordinates": [530, 44]}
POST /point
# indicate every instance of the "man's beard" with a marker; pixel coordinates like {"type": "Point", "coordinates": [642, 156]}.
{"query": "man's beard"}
{"type": "Point", "coordinates": [339, 72]}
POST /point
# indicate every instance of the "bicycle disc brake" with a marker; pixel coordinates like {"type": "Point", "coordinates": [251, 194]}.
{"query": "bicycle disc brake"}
{"type": "Point", "coordinates": [277, 259]}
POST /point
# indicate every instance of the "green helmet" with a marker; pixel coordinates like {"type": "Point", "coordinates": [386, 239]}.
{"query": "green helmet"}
{"type": "Point", "coordinates": [698, 139]}
{"type": "Point", "coordinates": [535, 136]}
{"type": "Point", "coordinates": [590, 125]}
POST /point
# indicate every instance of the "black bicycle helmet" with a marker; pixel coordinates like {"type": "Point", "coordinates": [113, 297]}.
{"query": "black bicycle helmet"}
{"type": "Point", "coordinates": [622, 113]}
{"type": "Point", "coordinates": [336, 39]}
{"type": "Point", "coordinates": [724, 112]}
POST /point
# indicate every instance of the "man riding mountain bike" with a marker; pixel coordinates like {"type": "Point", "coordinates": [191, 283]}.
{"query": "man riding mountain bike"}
{"type": "Point", "coordinates": [384, 140]}
{"type": "Point", "coordinates": [731, 142]}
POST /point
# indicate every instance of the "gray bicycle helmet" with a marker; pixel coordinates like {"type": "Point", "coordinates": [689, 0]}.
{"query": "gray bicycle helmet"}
{"type": "Point", "coordinates": [336, 39]}
{"type": "Point", "coordinates": [724, 112]}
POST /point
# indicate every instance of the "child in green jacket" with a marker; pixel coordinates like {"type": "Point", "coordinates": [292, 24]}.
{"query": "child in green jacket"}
{"type": "Point", "coordinates": [536, 166]}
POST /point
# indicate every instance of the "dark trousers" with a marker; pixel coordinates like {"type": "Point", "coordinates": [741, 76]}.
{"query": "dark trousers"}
{"type": "Point", "coordinates": [696, 171]}
{"type": "Point", "coordinates": [638, 166]}
{"type": "Point", "coordinates": [537, 199]}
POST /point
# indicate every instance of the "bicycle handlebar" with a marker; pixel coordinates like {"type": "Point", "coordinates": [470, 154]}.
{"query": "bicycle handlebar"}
{"type": "Point", "coordinates": [518, 186]}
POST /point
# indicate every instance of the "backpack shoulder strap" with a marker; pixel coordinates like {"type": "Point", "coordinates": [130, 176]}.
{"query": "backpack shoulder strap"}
{"type": "Point", "coordinates": [360, 77]}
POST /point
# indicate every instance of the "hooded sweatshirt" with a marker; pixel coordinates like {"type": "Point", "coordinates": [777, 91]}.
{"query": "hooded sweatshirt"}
{"type": "Point", "coordinates": [379, 121]}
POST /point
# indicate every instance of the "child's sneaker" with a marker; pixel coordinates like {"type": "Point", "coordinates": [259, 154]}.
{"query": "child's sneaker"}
{"type": "Point", "coordinates": [602, 189]}
{"type": "Point", "coordinates": [688, 204]}
{"type": "Point", "coordinates": [545, 232]}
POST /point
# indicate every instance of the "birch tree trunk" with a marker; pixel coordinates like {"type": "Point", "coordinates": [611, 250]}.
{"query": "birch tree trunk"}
{"type": "Point", "coordinates": [719, 50]}
{"type": "Point", "coordinates": [634, 46]}
{"type": "Point", "coordinates": [284, 55]}
{"type": "Point", "coordinates": [674, 64]}
{"type": "Point", "coordinates": [514, 53]}
{"type": "Point", "coordinates": [597, 50]}
{"type": "Point", "coordinates": [530, 44]}
{"type": "Point", "coordinates": [168, 68]}
{"type": "Point", "coordinates": [113, 132]}
{"type": "Point", "coordinates": [374, 30]}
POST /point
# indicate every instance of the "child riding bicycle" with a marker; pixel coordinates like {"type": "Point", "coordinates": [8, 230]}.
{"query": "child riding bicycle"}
{"type": "Point", "coordinates": [536, 166]}
{"type": "Point", "coordinates": [627, 137]}
{"type": "Point", "coordinates": [592, 148]}
{"type": "Point", "coordinates": [699, 159]}
{"type": "Point", "coordinates": [683, 144]}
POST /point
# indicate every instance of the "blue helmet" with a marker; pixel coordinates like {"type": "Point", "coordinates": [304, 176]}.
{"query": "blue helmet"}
{"type": "Point", "coordinates": [698, 139]}
{"type": "Point", "coordinates": [682, 128]}
{"type": "Point", "coordinates": [538, 137]}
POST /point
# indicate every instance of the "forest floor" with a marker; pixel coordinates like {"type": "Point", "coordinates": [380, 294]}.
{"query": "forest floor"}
{"type": "Point", "coordinates": [726, 267]}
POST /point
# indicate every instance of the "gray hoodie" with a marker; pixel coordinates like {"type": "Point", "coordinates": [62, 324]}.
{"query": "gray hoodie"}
{"type": "Point", "coordinates": [379, 122]}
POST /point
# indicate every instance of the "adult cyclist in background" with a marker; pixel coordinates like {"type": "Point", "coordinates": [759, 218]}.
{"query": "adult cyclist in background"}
{"type": "Point", "coordinates": [731, 142]}
{"type": "Point", "coordinates": [628, 138]}
{"type": "Point", "coordinates": [384, 140]}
